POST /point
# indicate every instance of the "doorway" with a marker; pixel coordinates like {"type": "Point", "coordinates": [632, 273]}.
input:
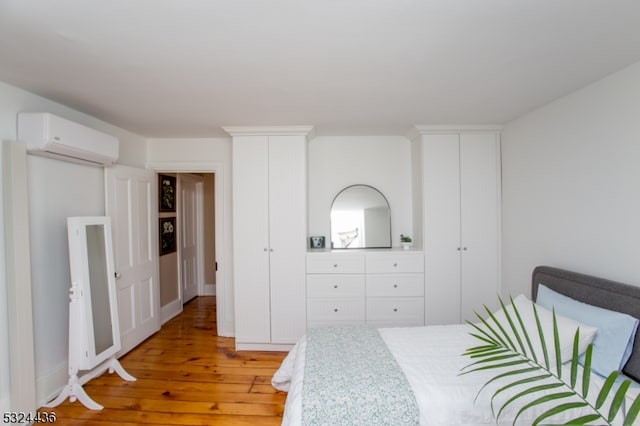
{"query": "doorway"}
{"type": "Point", "coordinates": [190, 271]}
{"type": "Point", "coordinates": [222, 214]}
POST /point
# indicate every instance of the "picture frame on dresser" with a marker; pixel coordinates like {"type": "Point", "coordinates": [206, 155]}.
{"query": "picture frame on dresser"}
{"type": "Point", "coordinates": [317, 242]}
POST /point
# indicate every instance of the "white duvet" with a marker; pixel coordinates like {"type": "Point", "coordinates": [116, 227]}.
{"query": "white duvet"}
{"type": "Point", "coordinates": [431, 359]}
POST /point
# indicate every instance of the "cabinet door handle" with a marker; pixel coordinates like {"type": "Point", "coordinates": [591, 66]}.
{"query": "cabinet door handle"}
{"type": "Point", "coordinates": [395, 286]}
{"type": "Point", "coordinates": [458, 249]}
{"type": "Point", "coordinates": [395, 309]}
{"type": "Point", "coordinates": [395, 264]}
{"type": "Point", "coordinates": [335, 286]}
{"type": "Point", "coordinates": [335, 310]}
{"type": "Point", "coordinates": [335, 265]}
{"type": "Point", "coordinates": [464, 248]}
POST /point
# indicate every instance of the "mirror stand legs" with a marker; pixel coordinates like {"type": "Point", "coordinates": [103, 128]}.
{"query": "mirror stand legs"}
{"type": "Point", "coordinates": [114, 365]}
{"type": "Point", "coordinates": [74, 390]}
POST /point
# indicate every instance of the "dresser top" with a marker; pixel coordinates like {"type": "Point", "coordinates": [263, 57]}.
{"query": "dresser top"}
{"type": "Point", "coordinates": [394, 250]}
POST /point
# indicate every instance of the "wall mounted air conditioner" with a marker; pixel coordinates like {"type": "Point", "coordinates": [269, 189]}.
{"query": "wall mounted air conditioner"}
{"type": "Point", "coordinates": [52, 136]}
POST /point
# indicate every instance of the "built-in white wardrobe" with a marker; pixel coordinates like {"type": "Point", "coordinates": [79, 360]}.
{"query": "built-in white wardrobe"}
{"type": "Point", "coordinates": [269, 235]}
{"type": "Point", "coordinates": [456, 194]}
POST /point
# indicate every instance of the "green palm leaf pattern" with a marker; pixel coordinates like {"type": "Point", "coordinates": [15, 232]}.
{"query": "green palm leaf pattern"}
{"type": "Point", "coordinates": [534, 382]}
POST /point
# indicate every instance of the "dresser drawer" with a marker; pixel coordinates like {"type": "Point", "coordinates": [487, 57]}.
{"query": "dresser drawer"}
{"type": "Point", "coordinates": [395, 285]}
{"type": "Point", "coordinates": [380, 263]}
{"type": "Point", "coordinates": [408, 310]}
{"type": "Point", "coordinates": [320, 263]}
{"type": "Point", "coordinates": [335, 285]}
{"type": "Point", "coordinates": [335, 310]}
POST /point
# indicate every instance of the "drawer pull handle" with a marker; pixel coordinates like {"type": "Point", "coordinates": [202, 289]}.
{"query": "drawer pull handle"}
{"type": "Point", "coordinates": [395, 264]}
{"type": "Point", "coordinates": [335, 310]}
{"type": "Point", "coordinates": [395, 286]}
{"type": "Point", "coordinates": [335, 265]}
{"type": "Point", "coordinates": [335, 286]}
{"type": "Point", "coordinates": [395, 309]}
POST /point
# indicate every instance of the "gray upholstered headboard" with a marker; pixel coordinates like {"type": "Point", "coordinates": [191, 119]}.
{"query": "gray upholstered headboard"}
{"type": "Point", "coordinates": [598, 292]}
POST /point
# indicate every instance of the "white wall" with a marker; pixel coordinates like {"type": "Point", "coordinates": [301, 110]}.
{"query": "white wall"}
{"type": "Point", "coordinates": [57, 189]}
{"type": "Point", "coordinates": [571, 184]}
{"type": "Point", "coordinates": [206, 155]}
{"type": "Point", "coordinates": [336, 162]}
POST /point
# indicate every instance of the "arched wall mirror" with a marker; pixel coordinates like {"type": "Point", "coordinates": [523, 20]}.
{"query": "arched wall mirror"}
{"type": "Point", "coordinates": [360, 218]}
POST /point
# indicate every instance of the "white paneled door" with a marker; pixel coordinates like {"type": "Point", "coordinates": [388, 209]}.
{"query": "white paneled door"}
{"type": "Point", "coordinates": [131, 202]}
{"type": "Point", "coordinates": [190, 234]}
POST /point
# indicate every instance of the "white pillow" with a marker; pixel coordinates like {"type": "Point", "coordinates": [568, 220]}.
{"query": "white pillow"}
{"type": "Point", "coordinates": [566, 330]}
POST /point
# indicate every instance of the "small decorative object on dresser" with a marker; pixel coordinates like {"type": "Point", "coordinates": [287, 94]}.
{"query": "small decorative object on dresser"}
{"type": "Point", "coordinates": [405, 241]}
{"type": "Point", "coordinates": [317, 242]}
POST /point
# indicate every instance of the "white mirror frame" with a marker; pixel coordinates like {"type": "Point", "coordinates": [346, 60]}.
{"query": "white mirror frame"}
{"type": "Point", "coordinates": [82, 339]}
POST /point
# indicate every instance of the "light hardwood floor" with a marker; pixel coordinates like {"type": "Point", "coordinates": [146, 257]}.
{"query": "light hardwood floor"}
{"type": "Point", "coordinates": [187, 375]}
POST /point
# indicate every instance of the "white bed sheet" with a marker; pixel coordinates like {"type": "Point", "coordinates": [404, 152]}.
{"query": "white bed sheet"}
{"type": "Point", "coordinates": [431, 358]}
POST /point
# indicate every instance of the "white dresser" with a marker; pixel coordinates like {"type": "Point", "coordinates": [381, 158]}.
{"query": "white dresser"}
{"type": "Point", "coordinates": [382, 288]}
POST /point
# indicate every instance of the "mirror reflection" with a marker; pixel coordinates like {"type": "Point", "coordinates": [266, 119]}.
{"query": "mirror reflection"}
{"type": "Point", "coordinates": [99, 279]}
{"type": "Point", "coordinates": [360, 218]}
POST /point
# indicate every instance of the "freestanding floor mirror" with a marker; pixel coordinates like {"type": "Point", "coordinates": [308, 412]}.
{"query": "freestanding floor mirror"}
{"type": "Point", "coordinates": [94, 332]}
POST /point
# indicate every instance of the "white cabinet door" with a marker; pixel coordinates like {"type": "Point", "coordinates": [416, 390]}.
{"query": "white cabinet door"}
{"type": "Point", "coordinates": [251, 239]}
{"type": "Point", "coordinates": [441, 194]}
{"type": "Point", "coordinates": [480, 216]}
{"type": "Point", "coordinates": [287, 236]}
{"type": "Point", "coordinates": [131, 202]}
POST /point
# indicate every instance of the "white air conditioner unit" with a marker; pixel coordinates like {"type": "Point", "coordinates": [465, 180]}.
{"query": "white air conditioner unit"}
{"type": "Point", "coordinates": [52, 136]}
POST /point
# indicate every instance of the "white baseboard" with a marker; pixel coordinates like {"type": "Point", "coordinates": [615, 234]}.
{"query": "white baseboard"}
{"type": "Point", "coordinates": [171, 310]}
{"type": "Point", "coordinates": [277, 347]}
{"type": "Point", "coordinates": [209, 290]}
{"type": "Point", "coordinates": [49, 386]}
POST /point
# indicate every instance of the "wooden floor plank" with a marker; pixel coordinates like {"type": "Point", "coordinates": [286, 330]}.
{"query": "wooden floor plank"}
{"type": "Point", "coordinates": [186, 375]}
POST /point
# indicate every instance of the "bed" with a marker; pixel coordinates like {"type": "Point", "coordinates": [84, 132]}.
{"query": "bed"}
{"type": "Point", "coordinates": [430, 361]}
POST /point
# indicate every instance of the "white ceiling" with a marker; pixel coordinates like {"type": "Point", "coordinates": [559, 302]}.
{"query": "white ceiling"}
{"type": "Point", "coordinates": [184, 68]}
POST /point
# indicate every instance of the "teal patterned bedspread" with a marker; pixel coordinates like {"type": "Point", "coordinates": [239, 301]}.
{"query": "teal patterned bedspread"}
{"type": "Point", "coordinates": [351, 378]}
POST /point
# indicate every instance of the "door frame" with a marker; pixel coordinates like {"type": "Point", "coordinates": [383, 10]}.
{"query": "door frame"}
{"type": "Point", "coordinates": [224, 291]}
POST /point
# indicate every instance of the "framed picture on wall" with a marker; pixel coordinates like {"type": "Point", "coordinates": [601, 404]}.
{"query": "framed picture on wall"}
{"type": "Point", "coordinates": [167, 193]}
{"type": "Point", "coordinates": [167, 235]}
